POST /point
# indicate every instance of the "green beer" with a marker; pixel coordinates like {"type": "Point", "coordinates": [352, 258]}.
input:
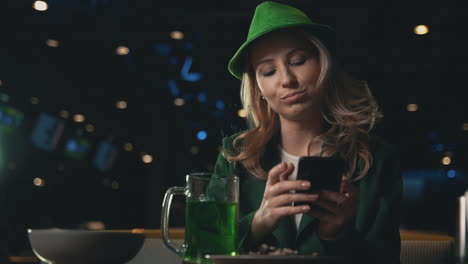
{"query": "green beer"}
{"type": "Point", "coordinates": [210, 228]}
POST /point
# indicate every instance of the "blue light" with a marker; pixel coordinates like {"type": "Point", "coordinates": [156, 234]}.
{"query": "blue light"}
{"type": "Point", "coordinates": [202, 135]}
{"type": "Point", "coordinates": [413, 188]}
{"type": "Point", "coordinates": [76, 148]}
{"type": "Point", "coordinates": [7, 120]}
{"type": "Point", "coordinates": [220, 104]}
{"type": "Point", "coordinates": [438, 148]}
{"type": "Point", "coordinates": [188, 46]}
{"type": "Point", "coordinates": [185, 71]}
{"type": "Point", "coordinates": [163, 49]}
{"type": "Point", "coordinates": [72, 145]}
{"type": "Point", "coordinates": [105, 156]}
{"type": "Point", "coordinates": [173, 87]}
{"type": "Point", "coordinates": [48, 131]}
{"type": "Point", "coordinates": [202, 97]}
{"type": "Point", "coordinates": [451, 174]}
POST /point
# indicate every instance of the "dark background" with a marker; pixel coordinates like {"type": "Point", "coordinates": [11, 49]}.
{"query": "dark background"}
{"type": "Point", "coordinates": [85, 75]}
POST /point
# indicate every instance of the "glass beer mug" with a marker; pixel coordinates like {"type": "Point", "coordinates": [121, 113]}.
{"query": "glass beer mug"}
{"type": "Point", "coordinates": [211, 217]}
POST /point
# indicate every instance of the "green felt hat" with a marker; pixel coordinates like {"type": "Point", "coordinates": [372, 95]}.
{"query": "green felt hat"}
{"type": "Point", "coordinates": [270, 16]}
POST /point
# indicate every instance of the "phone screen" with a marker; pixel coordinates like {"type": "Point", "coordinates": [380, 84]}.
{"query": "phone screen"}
{"type": "Point", "coordinates": [324, 173]}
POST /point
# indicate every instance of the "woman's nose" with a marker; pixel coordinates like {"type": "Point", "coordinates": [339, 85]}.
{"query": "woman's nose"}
{"type": "Point", "coordinates": [288, 78]}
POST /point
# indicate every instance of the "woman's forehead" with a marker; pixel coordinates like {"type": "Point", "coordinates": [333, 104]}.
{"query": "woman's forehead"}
{"type": "Point", "coordinates": [277, 43]}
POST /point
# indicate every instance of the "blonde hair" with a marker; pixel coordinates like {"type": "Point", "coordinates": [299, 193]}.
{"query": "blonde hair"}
{"type": "Point", "coordinates": [349, 111]}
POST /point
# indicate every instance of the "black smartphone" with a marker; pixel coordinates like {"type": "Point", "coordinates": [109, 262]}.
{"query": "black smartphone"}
{"type": "Point", "coordinates": [324, 173]}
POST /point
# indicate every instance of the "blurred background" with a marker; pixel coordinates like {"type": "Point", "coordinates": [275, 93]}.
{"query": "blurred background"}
{"type": "Point", "coordinates": [104, 104]}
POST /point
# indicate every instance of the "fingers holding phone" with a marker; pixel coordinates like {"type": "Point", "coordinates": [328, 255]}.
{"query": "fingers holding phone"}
{"type": "Point", "coordinates": [278, 198]}
{"type": "Point", "coordinates": [336, 211]}
{"type": "Point", "coordinates": [337, 202]}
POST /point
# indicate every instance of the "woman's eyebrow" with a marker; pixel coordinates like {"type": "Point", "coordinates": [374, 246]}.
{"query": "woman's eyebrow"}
{"type": "Point", "coordinates": [264, 61]}
{"type": "Point", "coordinates": [287, 54]}
{"type": "Point", "coordinates": [295, 50]}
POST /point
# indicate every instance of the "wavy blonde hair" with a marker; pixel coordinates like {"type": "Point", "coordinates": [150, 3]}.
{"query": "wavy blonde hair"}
{"type": "Point", "coordinates": [349, 112]}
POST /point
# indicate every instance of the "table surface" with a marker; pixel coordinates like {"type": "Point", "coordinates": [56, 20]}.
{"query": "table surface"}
{"type": "Point", "coordinates": [179, 233]}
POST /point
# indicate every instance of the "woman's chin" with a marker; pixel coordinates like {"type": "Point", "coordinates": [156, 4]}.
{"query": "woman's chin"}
{"type": "Point", "coordinates": [299, 112]}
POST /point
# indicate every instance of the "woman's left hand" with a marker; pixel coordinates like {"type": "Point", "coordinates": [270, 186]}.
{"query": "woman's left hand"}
{"type": "Point", "coordinates": [337, 211]}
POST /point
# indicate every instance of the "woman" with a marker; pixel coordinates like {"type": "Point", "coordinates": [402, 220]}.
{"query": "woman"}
{"type": "Point", "coordinates": [300, 103]}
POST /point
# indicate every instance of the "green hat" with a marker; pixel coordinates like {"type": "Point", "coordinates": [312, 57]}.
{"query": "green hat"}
{"type": "Point", "coordinates": [270, 16]}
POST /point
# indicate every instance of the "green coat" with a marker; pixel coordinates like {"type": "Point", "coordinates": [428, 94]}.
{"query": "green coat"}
{"type": "Point", "coordinates": [375, 237]}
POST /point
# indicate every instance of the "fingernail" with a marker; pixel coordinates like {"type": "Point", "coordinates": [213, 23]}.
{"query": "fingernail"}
{"type": "Point", "coordinates": [305, 208]}
{"type": "Point", "coordinates": [305, 184]}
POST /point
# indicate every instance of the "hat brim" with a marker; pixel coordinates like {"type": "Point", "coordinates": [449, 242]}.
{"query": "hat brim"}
{"type": "Point", "coordinates": [237, 63]}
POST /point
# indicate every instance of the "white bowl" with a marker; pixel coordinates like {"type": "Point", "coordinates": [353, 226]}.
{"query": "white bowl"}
{"type": "Point", "coordinates": [66, 246]}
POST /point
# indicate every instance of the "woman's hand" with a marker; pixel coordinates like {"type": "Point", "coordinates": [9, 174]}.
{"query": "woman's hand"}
{"type": "Point", "coordinates": [277, 200]}
{"type": "Point", "coordinates": [339, 211]}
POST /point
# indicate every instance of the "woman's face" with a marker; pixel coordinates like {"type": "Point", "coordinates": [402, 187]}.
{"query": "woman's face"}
{"type": "Point", "coordinates": [286, 69]}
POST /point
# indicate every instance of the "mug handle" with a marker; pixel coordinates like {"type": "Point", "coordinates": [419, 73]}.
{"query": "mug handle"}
{"type": "Point", "coordinates": [176, 248]}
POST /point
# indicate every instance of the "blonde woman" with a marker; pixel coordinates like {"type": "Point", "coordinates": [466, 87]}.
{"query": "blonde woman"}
{"type": "Point", "coordinates": [300, 103]}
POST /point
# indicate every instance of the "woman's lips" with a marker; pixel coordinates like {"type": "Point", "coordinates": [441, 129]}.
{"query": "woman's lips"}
{"type": "Point", "coordinates": [293, 96]}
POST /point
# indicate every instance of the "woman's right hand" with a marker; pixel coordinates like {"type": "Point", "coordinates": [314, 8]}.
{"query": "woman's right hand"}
{"type": "Point", "coordinates": [277, 200]}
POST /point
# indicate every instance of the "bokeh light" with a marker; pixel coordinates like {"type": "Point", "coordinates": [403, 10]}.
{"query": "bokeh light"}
{"type": "Point", "coordinates": [179, 101]}
{"type": "Point", "coordinates": [451, 173]}
{"type": "Point", "coordinates": [412, 107]}
{"type": "Point", "coordinates": [202, 135]}
{"type": "Point", "coordinates": [52, 43]}
{"type": "Point", "coordinates": [122, 50]}
{"type": "Point", "coordinates": [242, 113]}
{"type": "Point", "coordinates": [89, 128]}
{"type": "Point", "coordinates": [79, 118]}
{"type": "Point", "coordinates": [38, 182]}
{"type": "Point", "coordinates": [64, 114]}
{"type": "Point", "coordinates": [446, 160]}
{"type": "Point", "coordinates": [146, 158]}
{"type": "Point", "coordinates": [40, 6]}
{"type": "Point", "coordinates": [121, 105]}
{"type": "Point", "coordinates": [194, 150]}
{"type": "Point", "coordinates": [177, 35]}
{"type": "Point", "coordinates": [34, 100]}
{"type": "Point", "coordinates": [128, 147]}
{"type": "Point", "coordinates": [421, 30]}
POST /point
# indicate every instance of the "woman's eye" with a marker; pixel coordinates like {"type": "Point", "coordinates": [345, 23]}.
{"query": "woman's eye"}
{"type": "Point", "coordinates": [268, 73]}
{"type": "Point", "coordinates": [298, 62]}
